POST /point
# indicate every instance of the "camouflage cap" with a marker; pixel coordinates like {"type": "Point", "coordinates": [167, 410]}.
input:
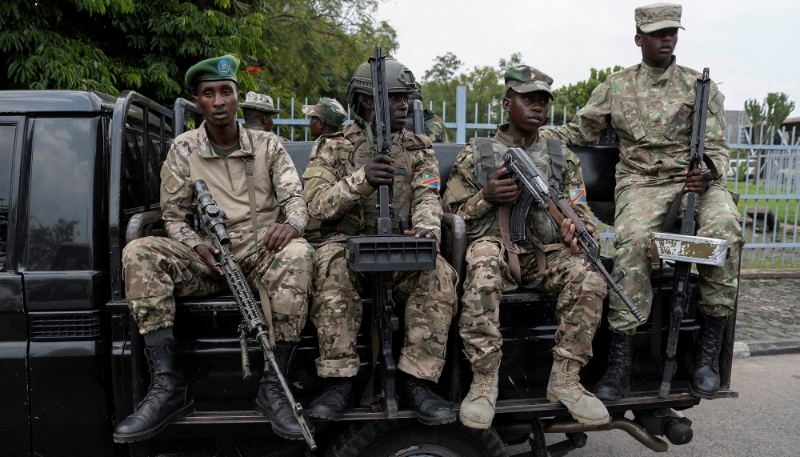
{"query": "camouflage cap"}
{"type": "Point", "coordinates": [524, 79]}
{"type": "Point", "coordinates": [254, 100]}
{"type": "Point", "coordinates": [214, 69]}
{"type": "Point", "coordinates": [658, 16]}
{"type": "Point", "coordinates": [329, 110]}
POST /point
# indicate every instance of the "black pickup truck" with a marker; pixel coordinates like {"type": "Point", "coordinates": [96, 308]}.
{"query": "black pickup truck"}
{"type": "Point", "coordinates": [79, 178]}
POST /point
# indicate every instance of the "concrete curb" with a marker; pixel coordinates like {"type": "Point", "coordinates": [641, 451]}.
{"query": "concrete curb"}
{"type": "Point", "coordinates": [742, 349]}
{"type": "Point", "coordinates": [770, 274]}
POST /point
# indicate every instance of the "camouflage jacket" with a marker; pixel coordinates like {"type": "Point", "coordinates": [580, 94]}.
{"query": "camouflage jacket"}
{"type": "Point", "coordinates": [338, 194]}
{"type": "Point", "coordinates": [279, 193]}
{"type": "Point", "coordinates": [651, 111]}
{"type": "Point", "coordinates": [464, 196]}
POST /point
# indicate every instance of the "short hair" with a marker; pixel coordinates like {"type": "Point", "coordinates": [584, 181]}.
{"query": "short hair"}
{"type": "Point", "coordinates": [639, 31]}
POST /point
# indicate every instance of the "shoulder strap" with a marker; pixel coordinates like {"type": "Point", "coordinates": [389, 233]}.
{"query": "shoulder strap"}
{"type": "Point", "coordinates": [485, 162]}
{"type": "Point", "coordinates": [557, 159]}
{"type": "Point", "coordinates": [249, 165]}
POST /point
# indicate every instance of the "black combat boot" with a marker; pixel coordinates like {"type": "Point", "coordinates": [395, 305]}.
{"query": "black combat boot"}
{"type": "Point", "coordinates": [616, 381]}
{"type": "Point", "coordinates": [272, 402]}
{"type": "Point", "coordinates": [704, 380]}
{"type": "Point", "coordinates": [166, 401]}
{"type": "Point", "coordinates": [430, 408]}
{"type": "Point", "coordinates": [336, 396]}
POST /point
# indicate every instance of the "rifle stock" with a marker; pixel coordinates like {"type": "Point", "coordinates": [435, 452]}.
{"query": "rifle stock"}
{"type": "Point", "coordinates": [549, 199]}
{"type": "Point", "coordinates": [212, 221]}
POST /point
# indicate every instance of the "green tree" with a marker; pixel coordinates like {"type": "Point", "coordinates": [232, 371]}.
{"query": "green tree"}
{"type": "Point", "coordinates": [771, 114]}
{"type": "Point", "coordinates": [289, 47]}
{"type": "Point", "coordinates": [575, 96]}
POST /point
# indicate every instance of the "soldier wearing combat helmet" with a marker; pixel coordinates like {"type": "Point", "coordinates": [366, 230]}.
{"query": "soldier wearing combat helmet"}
{"type": "Point", "coordinates": [434, 125]}
{"type": "Point", "coordinates": [650, 107]}
{"type": "Point", "coordinates": [340, 190]}
{"type": "Point", "coordinates": [272, 254]}
{"type": "Point", "coordinates": [478, 191]}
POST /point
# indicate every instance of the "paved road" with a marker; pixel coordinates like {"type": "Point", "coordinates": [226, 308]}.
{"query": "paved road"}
{"type": "Point", "coordinates": [768, 310]}
{"type": "Point", "coordinates": [762, 422]}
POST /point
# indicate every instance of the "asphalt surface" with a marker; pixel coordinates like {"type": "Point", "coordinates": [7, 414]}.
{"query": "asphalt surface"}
{"type": "Point", "coordinates": [762, 422]}
{"type": "Point", "coordinates": [769, 310]}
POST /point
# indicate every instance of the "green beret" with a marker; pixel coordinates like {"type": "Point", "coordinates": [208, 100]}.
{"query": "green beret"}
{"type": "Point", "coordinates": [214, 69]}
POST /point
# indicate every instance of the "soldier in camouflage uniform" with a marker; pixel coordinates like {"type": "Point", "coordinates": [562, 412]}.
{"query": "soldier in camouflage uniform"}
{"type": "Point", "coordinates": [434, 125]}
{"type": "Point", "coordinates": [326, 117]}
{"type": "Point", "coordinates": [478, 192]}
{"type": "Point", "coordinates": [650, 107]}
{"type": "Point", "coordinates": [273, 256]}
{"type": "Point", "coordinates": [340, 190]}
{"type": "Point", "coordinates": [258, 111]}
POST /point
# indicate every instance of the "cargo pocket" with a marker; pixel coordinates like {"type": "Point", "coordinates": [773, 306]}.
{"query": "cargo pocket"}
{"type": "Point", "coordinates": [680, 117]}
{"type": "Point", "coordinates": [634, 120]}
{"type": "Point", "coordinates": [170, 180]}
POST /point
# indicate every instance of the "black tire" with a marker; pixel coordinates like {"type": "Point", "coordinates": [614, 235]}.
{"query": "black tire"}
{"type": "Point", "coordinates": [384, 438]}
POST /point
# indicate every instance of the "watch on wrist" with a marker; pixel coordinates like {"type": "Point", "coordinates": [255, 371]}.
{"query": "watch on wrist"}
{"type": "Point", "coordinates": [707, 175]}
{"type": "Point", "coordinates": [297, 226]}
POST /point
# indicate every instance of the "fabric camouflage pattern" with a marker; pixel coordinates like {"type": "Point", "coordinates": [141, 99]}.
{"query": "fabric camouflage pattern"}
{"type": "Point", "coordinates": [581, 289]}
{"type": "Point", "coordinates": [430, 305]}
{"type": "Point", "coordinates": [278, 188]}
{"type": "Point", "coordinates": [339, 145]}
{"type": "Point", "coordinates": [579, 308]}
{"type": "Point", "coordinates": [651, 111]}
{"type": "Point", "coordinates": [157, 269]}
{"type": "Point", "coordinates": [524, 79]}
{"type": "Point", "coordinates": [335, 186]}
{"type": "Point", "coordinates": [464, 197]}
{"type": "Point", "coordinates": [329, 110]}
{"type": "Point", "coordinates": [658, 16]}
{"type": "Point", "coordinates": [260, 102]}
{"type": "Point", "coordinates": [435, 125]}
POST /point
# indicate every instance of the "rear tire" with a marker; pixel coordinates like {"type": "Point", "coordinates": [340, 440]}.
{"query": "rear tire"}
{"type": "Point", "coordinates": [385, 438]}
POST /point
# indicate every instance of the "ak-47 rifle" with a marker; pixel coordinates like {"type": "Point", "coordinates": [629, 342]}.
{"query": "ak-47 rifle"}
{"type": "Point", "coordinates": [537, 189]}
{"type": "Point", "coordinates": [676, 247]}
{"type": "Point", "coordinates": [384, 254]}
{"type": "Point", "coordinates": [212, 221]}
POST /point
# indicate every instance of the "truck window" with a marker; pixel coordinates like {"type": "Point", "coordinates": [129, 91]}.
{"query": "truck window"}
{"type": "Point", "coordinates": [62, 179]}
{"type": "Point", "coordinates": [7, 133]}
{"type": "Point", "coordinates": [141, 157]}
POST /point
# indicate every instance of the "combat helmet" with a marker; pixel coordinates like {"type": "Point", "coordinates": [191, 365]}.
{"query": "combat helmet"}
{"type": "Point", "coordinates": [399, 79]}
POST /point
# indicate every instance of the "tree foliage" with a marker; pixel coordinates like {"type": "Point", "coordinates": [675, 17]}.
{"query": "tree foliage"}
{"type": "Point", "coordinates": [288, 47]}
{"type": "Point", "coordinates": [575, 96]}
{"type": "Point", "coordinates": [771, 114]}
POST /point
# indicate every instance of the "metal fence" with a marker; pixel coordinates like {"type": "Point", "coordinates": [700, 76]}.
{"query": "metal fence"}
{"type": "Point", "coordinates": [766, 177]}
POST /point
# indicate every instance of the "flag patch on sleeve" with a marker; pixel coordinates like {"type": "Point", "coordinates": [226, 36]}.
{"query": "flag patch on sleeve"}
{"type": "Point", "coordinates": [430, 180]}
{"type": "Point", "coordinates": [577, 195]}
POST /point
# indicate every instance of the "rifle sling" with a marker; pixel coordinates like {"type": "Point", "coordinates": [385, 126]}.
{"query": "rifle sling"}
{"type": "Point", "coordinates": [251, 196]}
{"type": "Point", "coordinates": [513, 256]}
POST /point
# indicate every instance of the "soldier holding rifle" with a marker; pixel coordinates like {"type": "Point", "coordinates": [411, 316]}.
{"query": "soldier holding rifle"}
{"type": "Point", "coordinates": [650, 106]}
{"type": "Point", "coordinates": [272, 255]}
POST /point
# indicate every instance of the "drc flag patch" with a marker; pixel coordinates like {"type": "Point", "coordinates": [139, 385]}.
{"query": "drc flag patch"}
{"type": "Point", "coordinates": [577, 195]}
{"type": "Point", "coordinates": [430, 180]}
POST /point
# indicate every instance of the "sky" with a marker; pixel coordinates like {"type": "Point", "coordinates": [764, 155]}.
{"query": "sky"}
{"type": "Point", "coordinates": [751, 47]}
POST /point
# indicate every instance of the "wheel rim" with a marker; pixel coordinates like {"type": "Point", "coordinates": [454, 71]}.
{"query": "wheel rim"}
{"type": "Point", "coordinates": [425, 450]}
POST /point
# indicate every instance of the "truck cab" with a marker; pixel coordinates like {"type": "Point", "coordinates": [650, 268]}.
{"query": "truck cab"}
{"type": "Point", "coordinates": [79, 178]}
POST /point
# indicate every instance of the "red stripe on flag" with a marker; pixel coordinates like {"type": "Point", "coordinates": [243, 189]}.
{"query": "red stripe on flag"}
{"type": "Point", "coordinates": [577, 197]}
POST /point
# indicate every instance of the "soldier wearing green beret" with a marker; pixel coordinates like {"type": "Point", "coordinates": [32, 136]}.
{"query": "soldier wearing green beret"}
{"type": "Point", "coordinates": [650, 107]}
{"type": "Point", "coordinates": [272, 255]}
{"type": "Point", "coordinates": [495, 264]}
{"type": "Point", "coordinates": [258, 111]}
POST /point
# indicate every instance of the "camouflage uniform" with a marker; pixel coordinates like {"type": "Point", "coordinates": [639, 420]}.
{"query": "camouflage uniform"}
{"type": "Point", "coordinates": [337, 193]}
{"type": "Point", "coordinates": [158, 269]}
{"type": "Point", "coordinates": [651, 111]}
{"type": "Point", "coordinates": [581, 289]}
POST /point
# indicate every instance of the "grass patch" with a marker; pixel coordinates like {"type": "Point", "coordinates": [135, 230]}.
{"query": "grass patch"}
{"type": "Point", "coordinates": [782, 209]}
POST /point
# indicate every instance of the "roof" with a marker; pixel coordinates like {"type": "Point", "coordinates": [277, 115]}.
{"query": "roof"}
{"type": "Point", "coordinates": [54, 101]}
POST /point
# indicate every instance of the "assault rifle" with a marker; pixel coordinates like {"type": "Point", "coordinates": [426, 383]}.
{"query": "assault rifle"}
{"type": "Point", "coordinates": [685, 248]}
{"type": "Point", "coordinates": [537, 189]}
{"type": "Point", "coordinates": [385, 254]}
{"type": "Point", "coordinates": [212, 221]}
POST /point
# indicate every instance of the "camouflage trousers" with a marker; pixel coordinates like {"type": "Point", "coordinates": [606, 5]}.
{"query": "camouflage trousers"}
{"type": "Point", "coordinates": [430, 305]}
{"type": "Point", "coordinates": [640, 210]}
{"type": "Point", "coordinates": [157, 269]}
{"type": "Point", "coordinates": [580, 290]}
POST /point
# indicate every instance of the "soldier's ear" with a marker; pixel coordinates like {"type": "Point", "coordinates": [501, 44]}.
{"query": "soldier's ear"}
{"type": "Point", "coordinates": [637, 39]}
{"type": "Point", "coordinates": [506, 102]}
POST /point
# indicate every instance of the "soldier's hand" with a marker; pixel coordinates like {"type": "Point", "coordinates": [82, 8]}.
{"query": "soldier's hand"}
{"type": "Point", "coordinates": [420, 232]}
{"type": "Point", "coordinates": [278, 236]}
{"type": "Point", "coordinates": [498, 191]}
{"type": "Point", "coordinates": [695, 182]}
{"type": "Point", "coordinates": [379, 171]}
{"type": "Point", "coordinates": [568, 236]}
{"type": "Point", "coordinates": [208, 253]}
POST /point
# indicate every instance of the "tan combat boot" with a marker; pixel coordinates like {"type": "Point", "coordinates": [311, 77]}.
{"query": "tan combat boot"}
{"type": "Point", "coordinates": [477, 409]}
{"type": "Point", "coordinates": [564, 387]}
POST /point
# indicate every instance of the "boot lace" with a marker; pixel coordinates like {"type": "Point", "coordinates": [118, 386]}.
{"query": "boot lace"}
{"type": "Point", "coordinates": [158, 388]}
{"type": "Point", "coordinates": [572, 378]}
{"type": "Point", "coordinates": [709, 347]}
{"type": "Point", "coordinates": [616, 360]}
{"type": "Point", "coordinates": [485, 385]}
